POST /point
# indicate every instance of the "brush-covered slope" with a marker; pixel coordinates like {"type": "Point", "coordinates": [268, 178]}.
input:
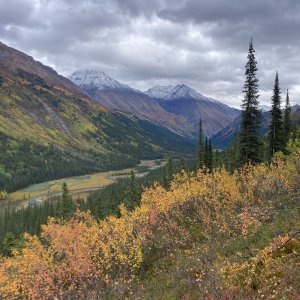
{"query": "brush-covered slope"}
{"type": "Point", "coordinates": [113, 94]}
{"type": "Point", "coordinates": [210, 236]}
{"type": "Point", "coordinates": [49, 128]}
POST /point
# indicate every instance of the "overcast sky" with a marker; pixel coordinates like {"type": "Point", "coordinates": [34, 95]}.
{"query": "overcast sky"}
{"type": "Point", "coordinates": [202, 43]}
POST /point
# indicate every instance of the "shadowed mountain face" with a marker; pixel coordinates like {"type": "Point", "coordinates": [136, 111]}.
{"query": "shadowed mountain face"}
{"type": "Point", "coordinates": [177, 108]}
{"type": "Point", "coordinates": [223, 138]}
{"type": "Point", "coordinates": [53, 129]}
{"type": "Point", "coordinates": [296, 114]}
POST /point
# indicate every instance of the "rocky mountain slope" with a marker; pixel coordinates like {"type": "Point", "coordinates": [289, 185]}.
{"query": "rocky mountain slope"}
{"type": "Point", "coordinates": [49, 128]}
{"type": "Point", "coordinates": [177, 108]}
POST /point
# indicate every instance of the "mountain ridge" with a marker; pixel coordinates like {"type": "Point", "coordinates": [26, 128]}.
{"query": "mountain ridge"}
{"type": "Point", "coordinates": [118, 96]}
{"type": "Point", "coordinates": [177, 108]}
{"type": "Point", "coordinates": [97, 79]}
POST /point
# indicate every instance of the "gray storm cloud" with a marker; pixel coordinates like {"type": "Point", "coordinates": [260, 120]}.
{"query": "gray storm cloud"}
{"type": "Point", "coordinates": [143, 43]}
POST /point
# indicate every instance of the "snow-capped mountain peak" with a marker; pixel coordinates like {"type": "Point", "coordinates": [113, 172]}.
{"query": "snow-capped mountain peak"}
{"type": "Point", "coordinates": [182, 91]}
{"type": "Point", "coordinates": [159, 91]}
{"type": "Point", "coordinates": [96, 79]}
{"type": "Point", "coordinates": [170, 92]}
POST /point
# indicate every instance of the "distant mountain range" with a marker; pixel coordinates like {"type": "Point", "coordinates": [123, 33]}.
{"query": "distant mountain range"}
{"type": "Point", "coordinates": [113, 94]}
{"type": "Point", "coordinates": [177, 108]}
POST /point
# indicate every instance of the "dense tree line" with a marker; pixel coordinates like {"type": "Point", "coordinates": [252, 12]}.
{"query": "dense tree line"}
{"type": "Point", "coordinates": [23, 162]}
{"type": "Point", "coordinates": [249, 145]}
{"type": "Point", "coordinates": [207, 158]}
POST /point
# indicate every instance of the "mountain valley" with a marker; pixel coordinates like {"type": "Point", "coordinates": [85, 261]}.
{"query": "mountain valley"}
{"type": "Point", "coordinates": [50, 129]}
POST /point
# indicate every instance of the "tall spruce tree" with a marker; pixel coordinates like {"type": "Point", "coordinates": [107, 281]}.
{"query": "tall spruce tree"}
{"type": "Point", "coordinates": [287, 121]}
{"type": "Point", "coordinates": [210, 165]}
{"type": "Point", "coordinates": [217, 159]}
{"type": "Point", "coordinates": [232, 154]}
{"type": "Point", "coordinates": [275, 134]}
{"type": "Point", "coordinates": [132, 197]}
{"type": "Point", "coordinates": [67, 206]}
{"type": "Point", "coordinates": [201, 150]}
{"type": "Point", "coordinates": [250, 123]}
{"type": "Point", "coordinates": [206, 153]}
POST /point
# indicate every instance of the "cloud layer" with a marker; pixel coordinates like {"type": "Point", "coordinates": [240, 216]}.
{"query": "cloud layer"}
{"type": "Point", "coordinates": [202, 43]}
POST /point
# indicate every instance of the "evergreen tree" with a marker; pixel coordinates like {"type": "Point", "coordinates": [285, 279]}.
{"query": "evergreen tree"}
{"type": "Point", "coordinates": [132, 199]}
{"type": "Point", "coordinates": [217, 159]}
{"type": "Point", "coordinates": [133, 189]}
{"type": "Point", "coordinates": [169, 173]}
{"type": "Point", "coordinates": [67, 206]}
{"type": "Point", "coordinates": [275, 134]}
{"type": "Point", "coordinates": [165, 181]}
{"type": "Point", "coordinates": [206, 153]}
{"type": "Point", "coordinates": [10, 242]}
{"type": "Point", "coordinates": [232, 154]}
{"type": "Point", "coordinates": [209, 156]}
{"type": "Point", "coordinates": [201, 150]}
{"type": "Point", "coordinates": [170, 169]}
{"type": "Point", "coordinates": [287, 121]}
{"type": "Point", "coordinates": [250, 123]}
{"type": "Point", "coordinates": [182, 165]}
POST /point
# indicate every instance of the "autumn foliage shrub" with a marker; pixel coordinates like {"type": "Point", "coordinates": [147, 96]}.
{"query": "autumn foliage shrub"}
{"type": "Point", "coordinates": [212, 235]}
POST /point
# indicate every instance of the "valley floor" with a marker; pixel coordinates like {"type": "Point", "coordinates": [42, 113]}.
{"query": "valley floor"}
{"type": "Point", "coordinates": [79, 186]}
